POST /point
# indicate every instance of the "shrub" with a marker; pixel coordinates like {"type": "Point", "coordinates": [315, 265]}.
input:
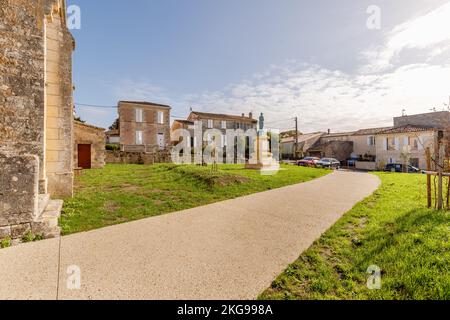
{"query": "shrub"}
{"type": "Point", "coordinates": [112, 147]}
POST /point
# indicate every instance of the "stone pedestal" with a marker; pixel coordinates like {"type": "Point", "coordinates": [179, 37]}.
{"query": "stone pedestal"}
{"type": "Point", "coordinates": [265, 162]}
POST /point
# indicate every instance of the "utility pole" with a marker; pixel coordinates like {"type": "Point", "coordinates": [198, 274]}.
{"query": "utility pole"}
{"type": "Point", "coordinates": [296, 139]}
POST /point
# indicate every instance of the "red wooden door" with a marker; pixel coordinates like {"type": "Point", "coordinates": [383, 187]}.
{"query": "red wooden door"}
{"type": "Point", "coordinates": [84, 156]}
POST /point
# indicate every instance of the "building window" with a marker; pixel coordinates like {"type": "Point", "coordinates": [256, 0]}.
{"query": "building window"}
{"type": "Point", "coordinates": [139, 115]}
{"type": "Point", "coordinates": [224, 124]}
{"type": "Point", "coordinates": [392, 144]}
{"type": "Point", "coordinates": [371, 141]}
{"type": "Point", "coordinates": [139, 138]}
{"type": "Point", "coordinates": [210, 124]}
{"type": "Point", "coordinates": [160, 117]}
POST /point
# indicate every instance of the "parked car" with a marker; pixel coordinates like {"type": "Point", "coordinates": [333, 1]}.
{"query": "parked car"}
{"type": "Point", "coordinates": [329, 163]}
{"type": "Point", "coordinates": [308, 162]}
{"type": "Point", "coordinates": [398, 167]}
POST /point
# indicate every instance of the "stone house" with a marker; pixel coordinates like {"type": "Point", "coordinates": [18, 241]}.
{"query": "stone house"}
{"type": "Point", "coordinates": [405, 144]}
{"type": "Point", "coordinates": [144, 126]}
{"type": "Point", "coordinates": [89, 146]}
{"type": "Point", "coordinates": [221, 122]}
{"type": "Point", "coordinates": [36, 115]}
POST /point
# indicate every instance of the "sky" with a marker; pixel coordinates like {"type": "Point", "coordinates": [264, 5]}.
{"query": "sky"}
{"type": "Point", "coordinates": [315, 60]}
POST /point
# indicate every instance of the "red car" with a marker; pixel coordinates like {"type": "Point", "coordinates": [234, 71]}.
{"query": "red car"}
{"type": "Point", "coordinates": [308, 162]}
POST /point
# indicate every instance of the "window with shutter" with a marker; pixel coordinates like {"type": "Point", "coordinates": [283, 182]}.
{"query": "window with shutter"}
{"type": "Point", "coordinates": [139, 115]}
{"type": "Point", "coordinates": [139, 138]}
{"type": "Point", "coordinates": [160, 117]}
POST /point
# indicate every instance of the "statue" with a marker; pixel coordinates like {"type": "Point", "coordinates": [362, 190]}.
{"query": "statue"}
{"type": "Point", "coordinates": [261, 122]}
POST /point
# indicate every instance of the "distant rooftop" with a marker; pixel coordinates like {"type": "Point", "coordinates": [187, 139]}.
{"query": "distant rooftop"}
{"type": "Point", "coordinates": [407, 129]}
{"type": "Point", "coordinates": [145, 103]}
{"type": "Point", "coordinates": [223, 116]}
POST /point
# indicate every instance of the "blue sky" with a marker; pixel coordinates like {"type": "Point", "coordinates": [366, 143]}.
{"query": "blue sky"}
{"type": "Point", "coordinates": [312, 59]}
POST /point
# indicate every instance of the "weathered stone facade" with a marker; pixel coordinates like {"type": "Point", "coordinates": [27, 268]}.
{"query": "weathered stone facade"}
{"type": "Point", "coordinates": [36, 110]}
{"type": "Point", "coordinates": [85, 134]}
{"type": "Point", "coordinates": [19, 193]}
{"type": "Point", "coordinates": [149, 126]}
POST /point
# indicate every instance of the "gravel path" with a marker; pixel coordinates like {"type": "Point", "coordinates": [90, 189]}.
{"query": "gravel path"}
{"type": "Point", "coordinates": [228, 250]}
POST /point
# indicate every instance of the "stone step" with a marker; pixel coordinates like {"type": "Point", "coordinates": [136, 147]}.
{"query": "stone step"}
{"type": "Point", "coordinates": [48, 222]}
{"type": "Point", "coordinates": [43, 201]}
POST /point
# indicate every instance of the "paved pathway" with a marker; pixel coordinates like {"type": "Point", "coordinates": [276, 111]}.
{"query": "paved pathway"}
{"type": "Point", "coordinates": [228, 250]}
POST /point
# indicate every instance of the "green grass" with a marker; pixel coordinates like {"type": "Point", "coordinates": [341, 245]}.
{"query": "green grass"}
{"type": "Point", "coordinates": [391, 229]}
{"type": "Point", "coordinates": [122, 193]}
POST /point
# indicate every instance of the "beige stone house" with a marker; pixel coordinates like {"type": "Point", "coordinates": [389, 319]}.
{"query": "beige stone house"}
{"type": "Point", "coordinates": [89, 146]}
{"type": "Point", "coordinates": [36, 116]}
{"type": "Point", "coordinates": [405, 144]}
{"type": "Point", "coordinates": [221, 122]}
{"type": "Point", "coordinates": [144, 126]}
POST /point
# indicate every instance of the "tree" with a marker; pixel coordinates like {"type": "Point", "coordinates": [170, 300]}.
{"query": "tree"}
{"type": "Point", "coordinates": [290, 133]}
{"type": "Point", "coordinates": [115, 125]}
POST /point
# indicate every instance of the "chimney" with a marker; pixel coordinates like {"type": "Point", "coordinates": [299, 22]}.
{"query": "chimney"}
{"type": "Point", "coordinates": [250, 115]}
{"type": "Point", "coordinates": [329, 131]}
{"type": "Point", "coordinates": [243, 115]}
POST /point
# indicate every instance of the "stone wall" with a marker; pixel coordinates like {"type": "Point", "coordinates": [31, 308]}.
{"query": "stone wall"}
{"type": "Point", "coordinates": [36, 107]}
{"type": "Point", "coordinates": [19, 183]}
{"type": "Point", "coordinates": [121, 157]}
{"type": "Point", "coordinates": [340, 150]}
{"type": "Point", "coordinates": [59, 103]}
{"type": "Point", "coordinates": [87, 134]}
{"type": "Point", "coordinates": [22, 58]}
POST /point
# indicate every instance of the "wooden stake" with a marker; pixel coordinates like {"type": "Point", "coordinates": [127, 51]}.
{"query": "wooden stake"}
{"type": "Point", "coordinates": [440, 200]}
{"type": "Point", "coordinates": [428, 156]}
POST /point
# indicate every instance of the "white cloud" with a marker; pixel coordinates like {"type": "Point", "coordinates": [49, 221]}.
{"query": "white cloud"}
{"type": "Point", "coordinates": [428, 32]}
{"type": "Point", "coordinates": [324, 98]}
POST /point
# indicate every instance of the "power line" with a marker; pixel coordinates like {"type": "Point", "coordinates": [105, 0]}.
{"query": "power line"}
{"type": "Point", "coordinates": [93, 106]}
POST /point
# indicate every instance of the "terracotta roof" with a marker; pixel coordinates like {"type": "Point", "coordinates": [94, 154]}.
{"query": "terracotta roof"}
{"type": "Point", "coordinates": [185, 121]}
{"type": "Point", "coordinates": [112, 132]}
{"type": "Point", "coordinates": [205, 115]}
{"type": "Point", "coordinates": [407, 129]}
{"type": "Point", "coordinates": [371, 131]}
{"type": "Point", "coordinates": [146, 103]}
{"type": "Point", "coordinates": [88, 125]}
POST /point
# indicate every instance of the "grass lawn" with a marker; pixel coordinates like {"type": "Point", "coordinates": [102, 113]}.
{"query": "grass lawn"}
{"type": "Point", "coordinates": [391, 229]}
{"type": "Point", "coordinates": [122, 193]}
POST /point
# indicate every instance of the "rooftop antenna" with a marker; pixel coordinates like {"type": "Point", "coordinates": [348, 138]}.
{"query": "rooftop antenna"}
{"type": "Point", "coordinates": [404, 113]}
{"type": "Point", "coordinates": [433, 109]}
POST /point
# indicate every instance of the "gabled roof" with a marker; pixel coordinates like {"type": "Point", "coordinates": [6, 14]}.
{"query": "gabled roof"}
{"type": "Point", "coordinates": [371, 131]}
{"type": "Point", "coordinates": [407, 129]}
{"type": "Point", "coordinates": [145, 103]}
{"type": "Point", "coordinates": [88, 125]}
{"type": "Point", "coordinates": [219, 116]}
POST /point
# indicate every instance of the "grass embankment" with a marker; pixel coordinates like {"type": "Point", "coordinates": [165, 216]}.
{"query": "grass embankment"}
{"type": "Point", "coordinates": [391, 229]}
{"type": "Point", "coordinates": [122, 193]}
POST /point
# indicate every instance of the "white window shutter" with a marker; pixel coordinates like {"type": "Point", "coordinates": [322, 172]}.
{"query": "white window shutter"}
{"type": "Point", "coordinates": [397, 143]}
{"type": "Point", "coordinates": [385, 144]}
{"type": "Point", "coordinates": [405, 141]}
{"type": "Point", "coordinates": [421, 143]}
{"type": "Point", "coordinates": [369, 141]}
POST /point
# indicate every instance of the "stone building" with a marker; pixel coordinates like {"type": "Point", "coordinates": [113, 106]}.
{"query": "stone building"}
{"type": "Point", "coordinates": [144, 126]}
{"type": "Point", "coordinates": [36, 115]}
{"type": "Point", "coordinates": [89, 146]}
{"type": "Point", "coordinates": [405, 144]}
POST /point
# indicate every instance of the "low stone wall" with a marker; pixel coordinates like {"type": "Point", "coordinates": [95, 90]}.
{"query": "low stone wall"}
{"type": "Point", "coordinates": [19, 197]}
{"type": "Point", "coordinates": [365, 165]}
{"type": "Point", "coordinates": [121, 157]}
